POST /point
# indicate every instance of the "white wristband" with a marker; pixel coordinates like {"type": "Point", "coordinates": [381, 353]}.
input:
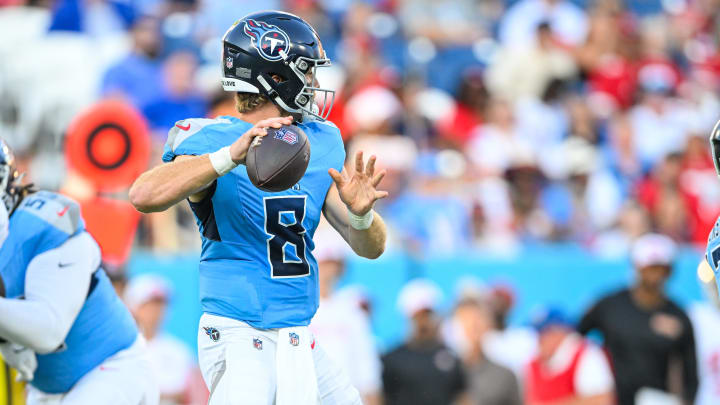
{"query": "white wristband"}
{"type": "Point", "coordinates": [361, 223]}
{"type": "Point", "coordinates": [222, 161]}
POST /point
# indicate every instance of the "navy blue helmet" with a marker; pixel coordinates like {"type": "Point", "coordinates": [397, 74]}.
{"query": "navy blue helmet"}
{"type": "Point", "coordinates": [715, 146]}
{"type": "Point", "coordinates": [10, 190]}
{"type": "Point", "coordinates": [272, 43]}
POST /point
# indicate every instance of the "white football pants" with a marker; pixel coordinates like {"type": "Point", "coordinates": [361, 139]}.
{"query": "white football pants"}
{"type": "Point", "coordinates": [125, 378]}
{"type": "Point", "coordinates": [238, 364]}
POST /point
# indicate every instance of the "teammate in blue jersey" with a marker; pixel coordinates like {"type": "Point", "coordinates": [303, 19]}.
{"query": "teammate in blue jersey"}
{"type": "Point", "coordinates": [258, 277]}
{"type": "Point", "coordinates": [61, 323]}
{"type": "Point", "coordinates": [712, 254]}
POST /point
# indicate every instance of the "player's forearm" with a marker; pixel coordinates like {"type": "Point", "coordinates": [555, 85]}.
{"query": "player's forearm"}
{"type": "Point", "coordinates": [56, 285]}
{"type": "Point", "coordinates": [165, 185]}
{"type": "Point", "coordinates": [369, 243]}
{"type": "Point", "coordinates": [29, 323]}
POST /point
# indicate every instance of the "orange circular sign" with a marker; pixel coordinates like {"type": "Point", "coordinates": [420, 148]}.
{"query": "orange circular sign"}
{"type": "Point", "coordinates": [109, 145]}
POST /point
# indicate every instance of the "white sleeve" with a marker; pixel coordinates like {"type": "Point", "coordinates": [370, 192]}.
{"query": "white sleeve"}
{"type": "Point", "coordinates": [56, 286]}
{"type": "Point", "coordinates": [4, 223]}
{"type": "Point", "coordinates": [593, 376]}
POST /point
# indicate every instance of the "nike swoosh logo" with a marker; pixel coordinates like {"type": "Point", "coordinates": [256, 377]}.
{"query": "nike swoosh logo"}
{"type": "Point", "coordinates": [61, 265]}
{"type": "Point", "coordinates": [184, 128]}
{"type": "Point", "coordinates": [64, 210]}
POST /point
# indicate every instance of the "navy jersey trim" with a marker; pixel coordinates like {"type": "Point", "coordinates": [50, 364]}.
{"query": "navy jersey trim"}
{"type": "Point", "coordinates": [205, 213]}
{"type": "Point", "coordinates": [93, 282]}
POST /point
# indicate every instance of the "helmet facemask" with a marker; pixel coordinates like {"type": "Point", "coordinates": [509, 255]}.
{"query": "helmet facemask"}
{"type": "Point", "coordinates": [715, 146]}
{"type": "Point", "coordinates": [297, 94]}
{"type": "Point", "coordinates": [9, 195]}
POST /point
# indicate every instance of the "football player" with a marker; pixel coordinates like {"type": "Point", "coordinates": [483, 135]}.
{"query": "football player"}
{"type": "Point", "coordinates": [258, 277]}
{"type": "Point", "coordinates": [61, 324]}
{"type": "Point", "coordinates": [712, 254]}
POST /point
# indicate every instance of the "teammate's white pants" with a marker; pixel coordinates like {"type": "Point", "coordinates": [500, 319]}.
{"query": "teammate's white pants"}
{"type": "Point", "coordinates": [240, 370]}
{"type": "Point", "coordinates": [123, 379]}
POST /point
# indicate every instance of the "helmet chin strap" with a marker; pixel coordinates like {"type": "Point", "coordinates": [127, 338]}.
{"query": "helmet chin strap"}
{"type": "Point", "coordinates": [297, 115]}
{"type": "Point", "coordinates": [307, 108]}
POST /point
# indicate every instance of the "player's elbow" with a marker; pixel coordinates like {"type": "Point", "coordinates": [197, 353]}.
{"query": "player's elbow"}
{"type": "Point", "coordinates": [45, 346]}
{"type": "Point", "coordinates": [47, 342]}
{"type": "Point", "coordinates": [377, 253]}
{"type": "Point", "coordinates": [141, 197]}
{"type": "Point", "coordinates": [374, 253]}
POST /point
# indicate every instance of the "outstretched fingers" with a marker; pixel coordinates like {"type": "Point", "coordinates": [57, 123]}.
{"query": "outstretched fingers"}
{"type": "Point", "coordinates": [370, 168]}
{"type": "Point", "coordinates": [359, 165]}
{"type": "Point", "coordinates": [380, 195]}
{"type": "Point", "coordinates": [378, 178]}
{"type": "Point", "coordinates": [336, 176]}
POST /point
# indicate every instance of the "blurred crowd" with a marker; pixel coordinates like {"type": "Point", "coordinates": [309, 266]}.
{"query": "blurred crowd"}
{"type": "Point", "coordinates": [653, 352]}
{"type": "Point", "coordinates": [500, 123]}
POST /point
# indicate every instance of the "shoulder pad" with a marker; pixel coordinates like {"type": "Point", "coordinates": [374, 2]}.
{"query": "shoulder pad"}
{"type": "Point", "coordinates": [325, 127]}
{"type": "Point", "coordinates": [321, 125]}
{"type": "Point", "coordinates": [57, 210]}
{"type": "Point", "coordinates": [184, 129]}
{"type": "Point", "coordinates": [328, 123]}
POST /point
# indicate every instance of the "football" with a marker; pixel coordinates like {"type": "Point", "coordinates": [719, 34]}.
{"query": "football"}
{"type": "Point", "coordinates": [278, 160]}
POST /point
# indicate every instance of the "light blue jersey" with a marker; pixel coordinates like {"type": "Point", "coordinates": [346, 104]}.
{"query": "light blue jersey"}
{"type": "Point", "coordinates": [257, 264]}
{"type": "Point", "coordinates": [712, 253]}
{"type": "Point", "coordinates": [45, 221]}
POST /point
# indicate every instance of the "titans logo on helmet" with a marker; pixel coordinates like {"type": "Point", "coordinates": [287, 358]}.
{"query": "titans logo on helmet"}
{"type": "Point", "coordinates": [268, 39]}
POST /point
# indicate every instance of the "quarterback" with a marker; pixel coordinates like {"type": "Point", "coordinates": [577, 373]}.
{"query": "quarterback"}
{"type": "Point", "coordinates": [258, 276]}
{"type": "Point", "coordinates": [61, 324]}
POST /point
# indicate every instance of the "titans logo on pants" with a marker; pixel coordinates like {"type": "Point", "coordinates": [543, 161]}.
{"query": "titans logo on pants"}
{"type": "Point", "coordinates": [213, 333]}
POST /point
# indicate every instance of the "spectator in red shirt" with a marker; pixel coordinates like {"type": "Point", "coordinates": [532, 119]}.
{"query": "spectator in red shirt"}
{"type": "Point", "coordinates": [568, 368]}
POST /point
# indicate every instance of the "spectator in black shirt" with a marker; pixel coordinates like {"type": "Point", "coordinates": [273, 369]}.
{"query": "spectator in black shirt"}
{"type": "Point", "coordinates": [422, 371]}
{"type": "Point", "coordinates": [649, 337]}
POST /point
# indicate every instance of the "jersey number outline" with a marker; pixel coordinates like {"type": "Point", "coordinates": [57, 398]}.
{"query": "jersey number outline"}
{"type": "Point", "coordinates": [283, 223]}
{"type": "Point", "coordinates": [715, 257]}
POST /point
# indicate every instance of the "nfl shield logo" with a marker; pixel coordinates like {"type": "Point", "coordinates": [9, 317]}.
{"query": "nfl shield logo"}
{"type": "Point", "coordinates": [294, 339]}
{"type": "Point", "coordinates": [229, 62]}
{"type": "Point", "coordinates": [286, 136]}
{"type": "Point", "coordinates": [257, 343]}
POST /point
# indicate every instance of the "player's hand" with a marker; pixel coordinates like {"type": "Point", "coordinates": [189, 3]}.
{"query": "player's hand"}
{"type": "Point", "coordinates": [357, 187]}
{"type": "Point", "coordinates": [21, 359]}
{"type": "Point", "coordinates": [239, 148]}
